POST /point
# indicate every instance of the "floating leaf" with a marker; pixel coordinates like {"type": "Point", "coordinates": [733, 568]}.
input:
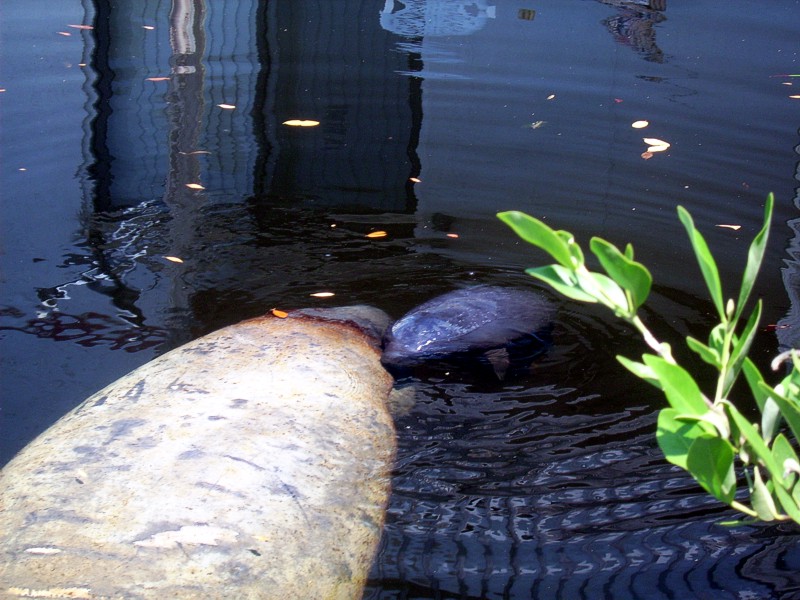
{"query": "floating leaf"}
{"type": "Point", "coordinates": [81, 26]}
{"type": "Point", "coordinates": [551, 96]}
{"type": "Point", "coordinates": [227, 106]}
{"type": "Point", "coordinates": [655, 144]}
{"type": "Point", "coordinates": [322, 294]}
{"type": "Point", "coordinates": [174, 259]}
{"type": "Point", "coordinates": [158, 79]}
{"type": "Point", "coordinates": [195, 152]}
{"type": "Point", "coordinates": [377, 234]}
{"type": "Point", "coordinates": [64, 33]}
{"type": "Point", "coordinates": [148, 27]}
{"type": "Point", "coordinates": [452, 235]}
{"type": "Point", "coordinates": [640, 124]}
{"type": "Point", "coordinates": [279, 313]}
{"type": "Point", "coordinates": [415, 180]}
{"type": "Point", "coordinates": [301, 123]}
{"type": "Point", "coordinates": [647, 155]}
{"type": "Point", "coordinates": [734, 227]}
{"type": "Point", "coordinates": [195, 186]}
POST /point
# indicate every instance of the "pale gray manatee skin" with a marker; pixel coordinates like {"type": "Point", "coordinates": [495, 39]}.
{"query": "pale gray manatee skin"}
{"type": "Point", "coordinates": [468, 321]}
{"type": "Point", "coordinates": [253, 462]}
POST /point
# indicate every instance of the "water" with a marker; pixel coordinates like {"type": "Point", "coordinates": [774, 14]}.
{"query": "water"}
{"type": "Point", "coordinates": [544, 486]}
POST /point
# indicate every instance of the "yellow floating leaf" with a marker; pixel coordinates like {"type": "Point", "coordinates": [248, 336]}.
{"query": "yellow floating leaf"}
{"type": "Point", "coordinates": [174, 259]}
{"type": "Point", "coordinates": [322, 294]}
{"type": "Point", "coordinates": [734, 227]}
{"type": "Point", "coordinates": [795, 97]}
{"type": "Point", "coordinates": [377, 234]}
{"type": "Point", "coordinates": [65, 33]}
{"type": "Point", "coordinates": [415, 179]}
{"type": "Point", "coordinates": [148, 27]}
{"type": "Point", "coordinates": [81, 26]}
{"type": "Point", "coordinates": [227, 106]}
{"type": "Point", "coordinates": [301, 123]}
{"type": "Point", "coordinates": [640, 124]}
{"type": "Point", "coordinates": [195, 186]}
{"type": "Point", "coordinates": [647, 155]}
{"type": "Point", "coordinates": [452, 235]}
{"type": "Point", "coordinates": [551, 96]}
{"type": "Point", "coordinates": [281, 314]}
{"type": "Point", "coordinates": [195, 152]}
{"type": "Point", "coordinates": [158, 79]}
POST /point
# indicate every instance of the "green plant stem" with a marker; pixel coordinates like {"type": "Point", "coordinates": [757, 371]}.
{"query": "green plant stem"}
{"type": "Point", "coordinates": [725, 362]}
{"type": "Point", "coordinates": [749, 511]}
{"type": "Point", "coordinates": [663, 350]}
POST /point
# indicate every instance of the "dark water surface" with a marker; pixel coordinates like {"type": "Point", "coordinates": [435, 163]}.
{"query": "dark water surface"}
{"type": "Point", "coordinates": [548, 485]}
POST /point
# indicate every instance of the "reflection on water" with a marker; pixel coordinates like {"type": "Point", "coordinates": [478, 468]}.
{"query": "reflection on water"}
{"type": "Point", "coordinates": [433, 116]}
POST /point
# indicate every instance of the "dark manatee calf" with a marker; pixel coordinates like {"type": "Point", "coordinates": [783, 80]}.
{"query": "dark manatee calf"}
{"type": "Point", "coordinates": [477, 320]}
{"type": "Point", "coordinates": [253, 462]}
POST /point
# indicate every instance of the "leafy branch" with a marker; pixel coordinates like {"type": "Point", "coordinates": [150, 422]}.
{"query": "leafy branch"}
{"type": "Point", "coordinates": [705, 434]}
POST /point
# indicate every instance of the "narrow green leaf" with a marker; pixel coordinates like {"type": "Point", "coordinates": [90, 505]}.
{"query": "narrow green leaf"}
{"type": "Point", "coordinates": [675, 436]}
{"type": "Point", "coordinates": [789, 503]}
{"type": "Point", "coordinates": [680, 388]}
{"type": "Point", "coordinates": [642, 371]}
{"type": "Point", "coordinates": [755, 441]}
{"type": "Point", "coordinates": [761, 498]}
{"type": "Point", "coordinates": [705, 259]}
{"type": "Point", "coordinates": [562, 280]}
{"type": "Point", "coordinates": [707, 354]}
{"type": "Point", "coordinates": [740, 349]}
{"type": "Point", "coordinates": [604, 289]}
{"type": "Point", "coordinates": [754, 377]}
{"type": "Point", "coordinates": [754, 256]}
{"type": "Point", "coordinates": [629, 250]}
{"type": "Point", "coordinates": [786, 458]}
{"type": "Point", "coordinates": [631, 275]}
{"type": "Point", "coordinates": [710, 461]}
{"type": "Point", "coordinates": [537, 233]}
{"type": "Point", "coordinates": [788, 409]}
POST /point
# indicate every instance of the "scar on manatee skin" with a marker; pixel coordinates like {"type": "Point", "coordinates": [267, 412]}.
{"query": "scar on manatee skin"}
{"type": "Point", "coordinates": [135, 393]}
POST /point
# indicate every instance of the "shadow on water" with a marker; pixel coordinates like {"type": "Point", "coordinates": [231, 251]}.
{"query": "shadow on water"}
{"type": "Point", "coordinates": [194, 206]}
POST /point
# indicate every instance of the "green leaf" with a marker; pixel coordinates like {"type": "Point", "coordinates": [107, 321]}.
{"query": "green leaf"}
{"type": "Point", "coordinates": [789, 410]}
{"type": "Point", "coordinates": [740, 349]}
{"type": "Point", "coordinates": [631, 275]}
{"type": "Point", "coordinates": [762, 500]}
{"type": "Point", "coordinates": [679, 386]}
{"type": "Point", "coordinates": [789, 503]}
{"type": "Point", "coordinates": [707, 354]}
{"type": "Point", "coordinates": [562, 280]}
{"type": "Point", "coordinates": [708, 265]}
{"type": "Point", "coordinates": [710, 461]}
{"type": "Point", "coordinates": [642, 371]}
{"type": "Point", "coordinates": [786, 458]}
{"type": "Point", "coordinates": [755, 441]}
{"type": "Point", "coordinates": [537, 233]}
{"type": "Point", "coordinates": [604, 289]}
{"type": "Point", "coordinates": [754, 257]}
{"type": "Point", "coordinates": [675, 436]}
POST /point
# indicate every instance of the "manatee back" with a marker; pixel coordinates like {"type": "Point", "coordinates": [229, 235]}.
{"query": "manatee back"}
{"type": "Point", "coordinates": [468, 320]}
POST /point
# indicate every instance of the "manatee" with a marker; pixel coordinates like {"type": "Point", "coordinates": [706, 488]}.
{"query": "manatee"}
{"type": "Point", "coordinates": [253, 462]}
{"type": "Point", "coordinates": [486, 320]}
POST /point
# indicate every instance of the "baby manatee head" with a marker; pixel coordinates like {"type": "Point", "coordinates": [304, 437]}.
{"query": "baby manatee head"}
{"type": "Point", "coordinates": [470, 320]}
